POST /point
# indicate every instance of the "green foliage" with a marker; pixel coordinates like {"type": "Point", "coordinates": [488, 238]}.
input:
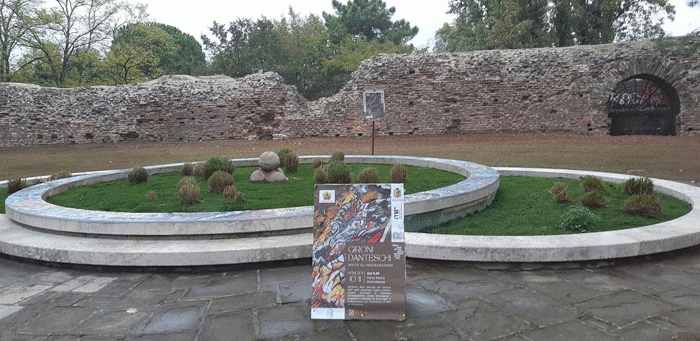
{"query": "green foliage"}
{"type": "Point", "coordinates": [59, 175]}
{"type": "Point", "coordinates": [188, 180]}
{"type": "Point", "coordinates": [138, 174]}
{"type": "Point", "coordinates": [369, 20]}
{"type": "Point", "coordinates": [592, 184]}
{"type": "Point", "coordinates": [291, 162]}
{"type": "Point", "coordinates": [318, 163]}
{"type": "Point", "coordinates": [635, 186]}
{"type": "Point", "coordinates": [198, 170]}
{"type": "Point", "coordinates": [281, 154]}
{"type": "Point", "coordinates": [643, 205]}
{"type": "Point", "coordinates": [189, 194]}
{"type": "Point", "coordinates": [136, 53]}
{"type": "Point", "coordinates": [320, 175]}
{"type": "Point", "coordinates": [560, 191]}
{"type": "Point", "coordinates": [15, 185]}
{"type": "Point", "coordinates": [217, 164]}
{"type": "Point", "coordinates": [578, 219]}
{"type": "Point", "coordinates": [593, 199]}
{"type": "Point", "coordinates": [230, 191]}
{"type": "Point", "coordinates": [239, 197]}
{"type": "Point", "coordinates": [398, 173]}
{"type": "Point", "coordinates": [337, 156]}
{"type": "Point", "coordinates": [187, 169]}
{"type": "Point", "coordinates": [338, 173]}
{"type": "Point", "coordinates": [219, 180]}
{"type": "Point", "coordinates": [151, 195]}
{"type": "Point", "coordinates": [368, 175]}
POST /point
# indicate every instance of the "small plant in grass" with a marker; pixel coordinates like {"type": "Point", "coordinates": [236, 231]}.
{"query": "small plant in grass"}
{"type": "Point", "coordinates": [398, 173]}
{"type": "Point", "coordinates": [15, 185]}
{"type": "Point", "coordinates": [281, 154]}
{"type": "Point", "coordinates": [338, 173]}
{"type": "Point", "coordinates": [368, 175]}
{"type": "Point", "coordinates": [291, 162]}
{"type": "Point", "coordinates": [318, 163]}
{"type": "Point", "coordinates": [186, 180]}
{"type": "Point", "coordinates": [189, 194]}
{"type": "Point", "coordinates": [219, 180]}
{"type": "Point", "coordinates": [644, 205]}
{"type": "Point", "coordinates": [215, 164]}
{"type": "Point", "coordinates": [198, 170]}
{"type": "Point", "coordinates": [238, 197]}
{"type": "Point", "coordinates": [152, 195]}
{"type": "Point", "coordinates": [59, 175]}
{"type": "Point", "coordinates": [230, 191]}
{"type": "Point", "coordinates": [592, 184]}
{"type": "Point", "coordinates": [138, 175]}
{"type": "Point", "coordinates": [187, 169]}
{"type": "Point", "coordinates": [593, 199]}
{"type": "Point", "coordinates": [578, 218]}
{"type": "Point", "coordinates": [635, 186]}
{"type": "Point", "coordinates": [560, 191]}
{"type": "Point", "coordinates": [320, 175]}
{"type": "Point", "coordinates": [337, 157]}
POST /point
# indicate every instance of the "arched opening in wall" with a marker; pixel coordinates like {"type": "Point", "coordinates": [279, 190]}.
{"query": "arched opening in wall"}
{"type": "Point", "coordinates": [643, 105]}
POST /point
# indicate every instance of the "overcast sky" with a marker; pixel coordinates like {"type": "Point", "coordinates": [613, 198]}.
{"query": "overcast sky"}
{"type": "Point", "coordinates": [194, 17]}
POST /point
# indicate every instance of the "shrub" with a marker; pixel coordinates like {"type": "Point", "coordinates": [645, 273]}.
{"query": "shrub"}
{"type": "Point", "coordinates": [15, 185]}
{"type": "Point", "coordinates": [187, 169]}
{"type": "Point", "coordinates": [215, 164]}
{"type": "Point", "coordinates": [219, 180]}
{"type": "Point", "coordinates": [643, 205]}
{"type": "Point", "coordinates": [338, 173]}
{"type": "Point", "coordinates": [230, 191]}
{"type": "Point", "coordinates": [59, 175]}
{"type": "Point", "coordinates": [152, 195]}
{"type": "Point", "coordinates": [337, 157]}
{"type": "Point", "coordinates": [291, 162]}
{"type": "Point", "coordinates": [281, 154]}
{"type": "Point", "coordinates": [320, 175]}
{"type": "Point", "coordinates": [138, 174]}
{"type": "Point", "coordinates": [593, 199]}
{"type": "Point", "coordinates": [239, 197]}
{"type": "Point", "coordinates": [579, 219]}
{"type": "Point", "coordinates": [198, 170]}
{"type": "Point", "coordinates": [558, 188]}
{"type": "Point", "coordinates": [398, 173]}
{"type": "Point", "coordinates": [189, 194]}
{"type": "Point", "coordinates": [318, 163]}
{"type": "Point", "coordinates": [635, 186]}
{"type": "Point", "coordinates": [592, 184]}
{"type": "Point", "coordinates": [560, 191]}
{"type": "Point", "coordinates": [186, 180]}
{"type": "Point", "coordinates": [368, 175]}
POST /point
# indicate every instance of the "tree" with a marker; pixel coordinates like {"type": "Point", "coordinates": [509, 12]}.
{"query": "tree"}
{"type": "Point", "coordinates": [16, 18]}
{"type": "Point", "coordinates": [369, 20]}
{"type": "Point", "coordinates": [74, 26]}
{"type": "Point", "coordinates": [137, 51]}
{"type": "Point", "coordinates": [189, 58]}
{"type": "Point", "coordinates": [494, 23]}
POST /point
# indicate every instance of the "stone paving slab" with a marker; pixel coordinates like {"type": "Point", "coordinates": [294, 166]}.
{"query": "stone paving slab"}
{"type": "Point", "coordinates": [639, 299]}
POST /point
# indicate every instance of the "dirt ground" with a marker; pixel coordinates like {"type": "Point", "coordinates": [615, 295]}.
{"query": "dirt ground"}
{"type": "Point", "coordinates": [674, 158]}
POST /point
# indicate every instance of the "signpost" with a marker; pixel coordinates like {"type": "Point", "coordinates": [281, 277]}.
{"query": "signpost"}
{"type": "Point", "coordinates": [374, 107]}
{"type": "Point", "coordinates": [359, 254]}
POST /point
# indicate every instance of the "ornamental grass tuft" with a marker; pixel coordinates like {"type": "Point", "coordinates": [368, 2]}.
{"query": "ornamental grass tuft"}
{"type": "Point", "coordinates": [219, 180]}
{"type": "Point", "coordinates": [138, 175]}
{"type": "Point", "coordinates": [643, 205]}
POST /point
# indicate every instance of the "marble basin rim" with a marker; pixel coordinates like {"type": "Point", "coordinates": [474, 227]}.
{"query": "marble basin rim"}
{"type": "Point", "coordinates": [29, 207]}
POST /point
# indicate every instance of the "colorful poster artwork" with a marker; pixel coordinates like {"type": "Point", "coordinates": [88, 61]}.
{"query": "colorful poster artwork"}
{"type": "Point", "coordinates": [359, 265]}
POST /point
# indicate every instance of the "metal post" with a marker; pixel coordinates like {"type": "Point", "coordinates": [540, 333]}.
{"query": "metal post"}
{"type": "Point", "coordinates": [372, 137]}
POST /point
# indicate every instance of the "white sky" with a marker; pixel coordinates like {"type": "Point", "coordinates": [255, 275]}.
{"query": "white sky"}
{"type": "Point", "coordinates": [194, 17]}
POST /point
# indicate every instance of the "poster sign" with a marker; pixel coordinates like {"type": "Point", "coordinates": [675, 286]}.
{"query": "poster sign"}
{"type": "Point", "coordinates": [374, 106]}
{"type": "Point", "coordinates": [359, 254]}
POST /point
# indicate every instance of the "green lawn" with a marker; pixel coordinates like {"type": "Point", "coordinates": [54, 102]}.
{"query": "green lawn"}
{"type": "Point", "coordinates": [523, 206]}
{"type": "Point", "coordinates": [122, 196]}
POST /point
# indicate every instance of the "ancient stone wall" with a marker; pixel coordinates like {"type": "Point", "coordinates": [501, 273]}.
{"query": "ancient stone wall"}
{"type": "Point", "coordinates": [548, 89]}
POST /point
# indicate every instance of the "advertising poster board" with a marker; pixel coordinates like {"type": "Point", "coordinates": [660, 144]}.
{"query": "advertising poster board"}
{"type": "Point", "coordinates": [359, 258]}
{"type": "Point", "coordinates": [374, 105]}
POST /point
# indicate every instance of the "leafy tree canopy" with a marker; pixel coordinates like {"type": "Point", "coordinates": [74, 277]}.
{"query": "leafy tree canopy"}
{"type": "Point", "coordinates": [369, 20]}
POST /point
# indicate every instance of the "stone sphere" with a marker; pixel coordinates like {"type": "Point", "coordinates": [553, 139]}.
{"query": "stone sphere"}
{"type": "Point", "coordinates": [269, 161]}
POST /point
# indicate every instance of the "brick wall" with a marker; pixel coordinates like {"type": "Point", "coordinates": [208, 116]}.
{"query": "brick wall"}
{"type": "Point", "coordinates": [548, 89]}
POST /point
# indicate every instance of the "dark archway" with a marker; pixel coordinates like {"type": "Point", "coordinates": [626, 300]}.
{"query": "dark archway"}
{"type": "Point", "coordinates": [643, 105]}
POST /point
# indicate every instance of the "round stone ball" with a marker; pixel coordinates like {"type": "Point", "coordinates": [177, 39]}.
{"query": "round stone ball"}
{"type": "Point", "coordinates": [269, 161]}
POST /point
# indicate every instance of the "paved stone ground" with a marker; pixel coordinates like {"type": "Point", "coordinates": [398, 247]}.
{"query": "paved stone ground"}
{"type": "Point", "coordinates": [640, 299]}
